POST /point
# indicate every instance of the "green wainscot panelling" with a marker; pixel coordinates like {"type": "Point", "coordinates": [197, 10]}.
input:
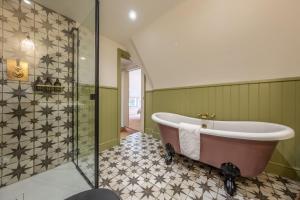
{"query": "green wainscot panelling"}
{"type": "Point", "coordinates": [108, 117]}
{"type": "Point", "coordinates": [86, 109]}
{"type": "Point", "coordinates": [276, 101]}
{"type": "Point", "coordinates": [150, 126]}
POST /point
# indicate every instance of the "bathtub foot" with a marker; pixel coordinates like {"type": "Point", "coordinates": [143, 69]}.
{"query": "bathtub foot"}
{"type": "Point", "coordinates": [230, 172]}
{"type": "Point", "coordinates": [210, 170]}
{"type": "Point", "coordinates": [170, 153]}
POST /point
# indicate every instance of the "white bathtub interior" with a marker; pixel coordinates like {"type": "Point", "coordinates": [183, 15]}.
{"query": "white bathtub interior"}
{"type": "Point", "coordinates": [248, 130]}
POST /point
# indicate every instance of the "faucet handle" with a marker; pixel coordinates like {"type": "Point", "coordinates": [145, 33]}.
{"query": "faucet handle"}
{"type": "Point", "coordinates": [206, 116]}
{"type": "Point", "coordinates": [212, 116]}
{"type": "Point", "coordinates": [203, 115]}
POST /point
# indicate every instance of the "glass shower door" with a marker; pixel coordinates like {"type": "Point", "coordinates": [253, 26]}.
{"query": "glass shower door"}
{"type": "Point", "coordinates": [84, 96]}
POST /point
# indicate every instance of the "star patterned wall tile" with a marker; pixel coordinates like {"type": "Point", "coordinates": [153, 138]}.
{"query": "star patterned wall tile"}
{"type": "Point", "coordinates": [35, 127]}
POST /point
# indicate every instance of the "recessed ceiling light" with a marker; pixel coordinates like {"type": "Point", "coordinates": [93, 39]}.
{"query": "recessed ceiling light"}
{"type": "Point", "coordinates": [132, 15]}
{"type": "Point", "coordinates": [28, 2]}
{"type": "Point", "coordinates": [83, 58]}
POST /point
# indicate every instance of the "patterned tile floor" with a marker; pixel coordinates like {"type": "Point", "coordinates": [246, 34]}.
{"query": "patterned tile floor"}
{"type": "Point", "coordinates": [136, 170]}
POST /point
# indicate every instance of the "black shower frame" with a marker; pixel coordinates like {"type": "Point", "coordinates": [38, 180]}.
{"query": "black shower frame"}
{"type": "Point", "coordinates": [96, 98]}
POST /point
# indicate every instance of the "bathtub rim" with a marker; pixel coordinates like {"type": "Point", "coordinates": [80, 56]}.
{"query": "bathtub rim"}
{"type": "Point", "coordinates": [286, 133]}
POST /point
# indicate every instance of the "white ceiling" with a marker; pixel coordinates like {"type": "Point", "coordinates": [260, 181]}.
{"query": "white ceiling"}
{"type": "Point", "coordinates": [114, 21]}
{"type": "Point", "coordinates": [74, 9]}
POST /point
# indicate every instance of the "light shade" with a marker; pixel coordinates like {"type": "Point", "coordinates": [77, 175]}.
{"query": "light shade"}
{"type": "Point", "coordinates": [28, 2]}
{"type": "Point", "coordinates": [27, 44]}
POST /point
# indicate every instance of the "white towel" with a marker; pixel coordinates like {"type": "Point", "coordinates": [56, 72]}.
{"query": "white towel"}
{"type": "Point", "coordinates": [189, 139]}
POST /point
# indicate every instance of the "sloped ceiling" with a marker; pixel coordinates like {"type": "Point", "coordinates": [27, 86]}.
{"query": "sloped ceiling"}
{"type": "Point", "coordinates": [193, 42]}
{"type": "Point", "coordinates": [213, 41]}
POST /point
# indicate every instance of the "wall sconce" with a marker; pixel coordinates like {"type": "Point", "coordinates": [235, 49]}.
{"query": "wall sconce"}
{"type": "Point", "coordinates": [17, 70]}
{"type": "Point", "coordinates": [27, 44]}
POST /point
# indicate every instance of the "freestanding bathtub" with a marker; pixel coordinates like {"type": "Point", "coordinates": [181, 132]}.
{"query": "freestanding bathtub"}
{"type": "Point", "coordinates": [248, 146]}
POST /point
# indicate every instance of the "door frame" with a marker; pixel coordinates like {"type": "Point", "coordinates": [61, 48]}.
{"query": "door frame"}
{"type": "Point", "coordinates": [126, 55]}
{"type": "Point", "coordinates": [120, 54]}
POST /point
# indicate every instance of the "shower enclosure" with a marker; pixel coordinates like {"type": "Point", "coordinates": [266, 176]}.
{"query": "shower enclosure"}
{"type": "Point", "coordinates": [49, 95]}
{"type": "Point", "coordinates": [86, 95]}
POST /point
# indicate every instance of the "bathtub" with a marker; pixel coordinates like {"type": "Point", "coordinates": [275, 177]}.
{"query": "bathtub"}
{"type": "Point", "coordinates": [248, 145]}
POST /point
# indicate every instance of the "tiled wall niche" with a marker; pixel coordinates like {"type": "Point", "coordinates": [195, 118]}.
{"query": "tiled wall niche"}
{"type": "Point", "coordinates": [35, 128]}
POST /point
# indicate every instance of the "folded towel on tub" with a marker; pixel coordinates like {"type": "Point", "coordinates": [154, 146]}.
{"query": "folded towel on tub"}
{"type": "Point", "coordinates": [189, 140]}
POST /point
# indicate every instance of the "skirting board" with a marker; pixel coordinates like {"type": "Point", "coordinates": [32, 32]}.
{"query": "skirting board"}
{"type": "Point", "coordinates": [108, 144]}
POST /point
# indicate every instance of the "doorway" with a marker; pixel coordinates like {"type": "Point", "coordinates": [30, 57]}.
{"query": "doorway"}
{"type": "Point", "coordinates": [135, 96]}
{"type": "Point", "coordinates": [131, 98]}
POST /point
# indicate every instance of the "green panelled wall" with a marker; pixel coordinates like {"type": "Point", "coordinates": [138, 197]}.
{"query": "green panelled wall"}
{"type": "Point", "coordinates": [149, 124]}
{"type": "Point", "coordinates": [108, 117]}
{"type": "Point", "coordinates": [86, 118]}
{"type": "Point", "coordinates": [275, 101]}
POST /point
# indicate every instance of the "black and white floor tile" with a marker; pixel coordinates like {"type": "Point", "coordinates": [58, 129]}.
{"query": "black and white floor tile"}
{"type": "Point", "coordinates": [136, 170]}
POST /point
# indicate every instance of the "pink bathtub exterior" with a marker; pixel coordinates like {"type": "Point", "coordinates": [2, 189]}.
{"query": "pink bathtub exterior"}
{"type": "Point", "coordinates": [251, 157]}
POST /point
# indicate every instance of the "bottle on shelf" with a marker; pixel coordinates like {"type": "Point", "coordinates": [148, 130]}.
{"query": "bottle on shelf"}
{"type": "Point", "coordinates": [48, 85]}
{"type": "Point", "coordinates": [57, 85]}
{"type": "Point", "coordinates": [37, 84]}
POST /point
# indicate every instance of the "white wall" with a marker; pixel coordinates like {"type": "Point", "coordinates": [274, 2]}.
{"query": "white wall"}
{"type": "Point", "coordinates": [217, 41]}
{"type": "Point", "coordinates": [136, 58]}
{"type": "Point", "coordinates": [108, 61]}
{"type": "Point", "coordinates": [135, 83]}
